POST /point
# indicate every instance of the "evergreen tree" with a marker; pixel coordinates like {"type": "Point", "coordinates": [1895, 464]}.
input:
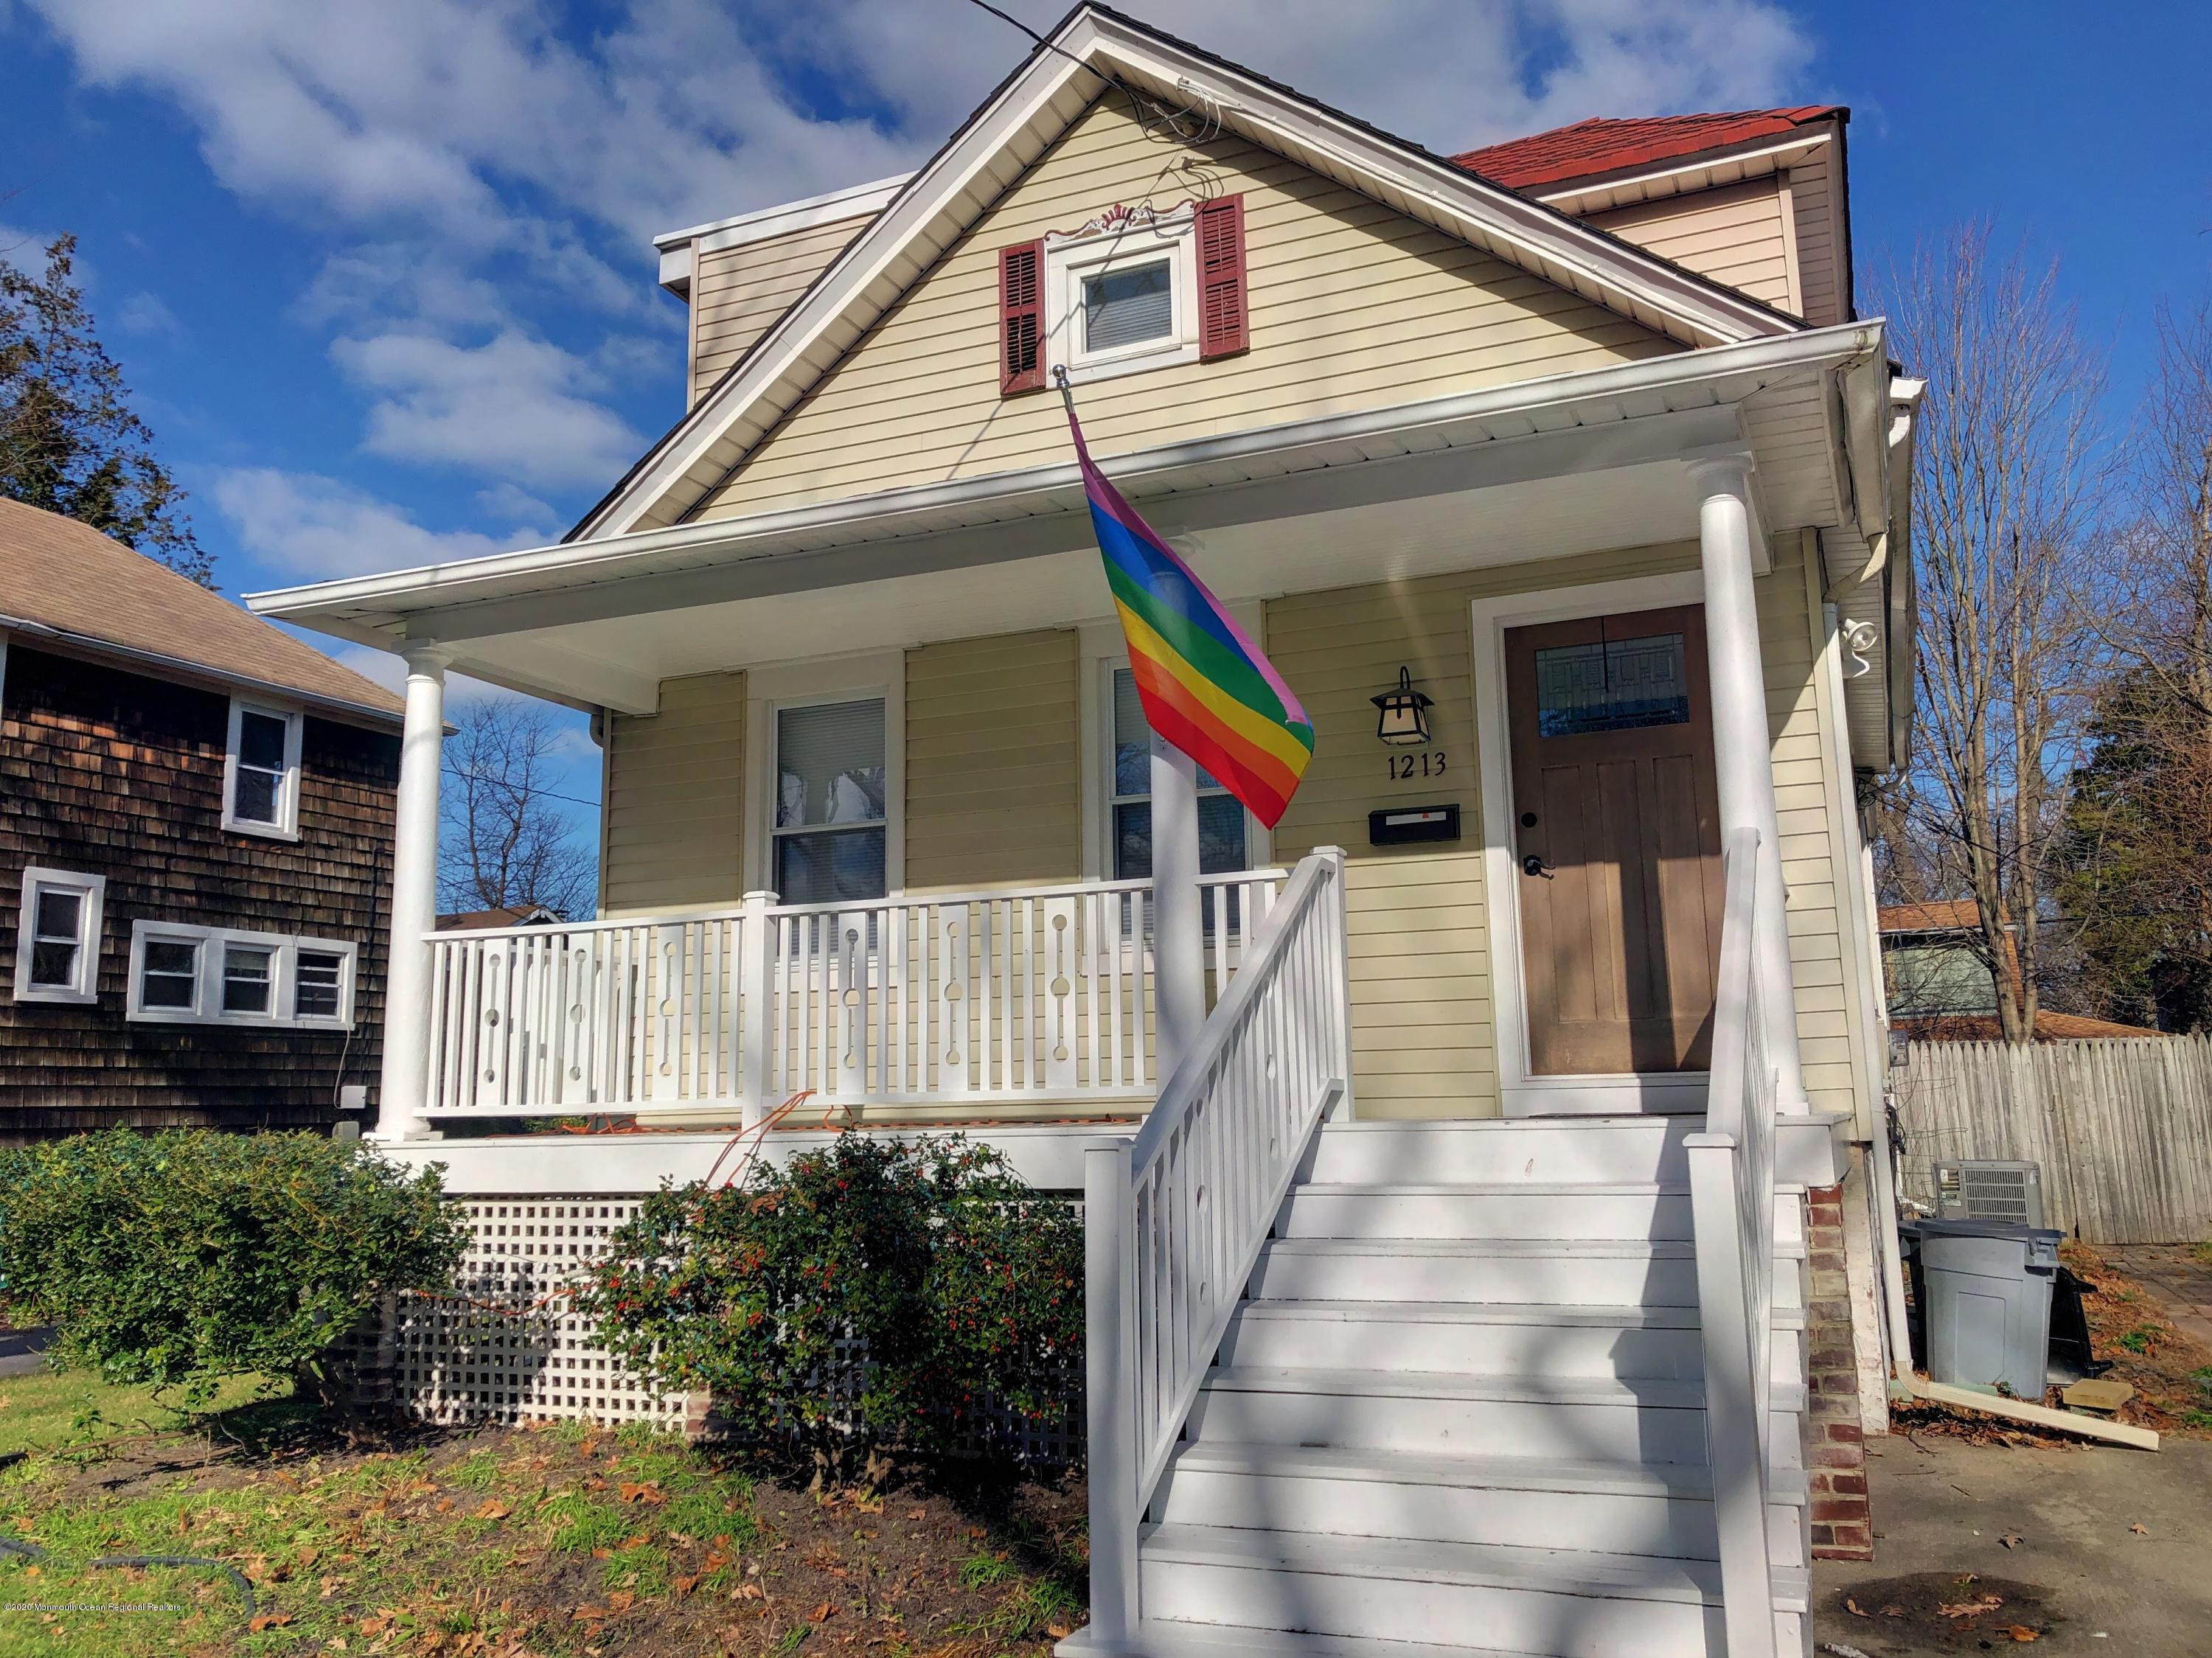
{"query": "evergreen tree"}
{"type": "Point", "coordinates": [70, 441]}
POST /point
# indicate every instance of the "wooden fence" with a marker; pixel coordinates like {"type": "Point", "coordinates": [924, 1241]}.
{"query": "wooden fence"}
{"type": "Point", "coordinates": [2122, 1127]}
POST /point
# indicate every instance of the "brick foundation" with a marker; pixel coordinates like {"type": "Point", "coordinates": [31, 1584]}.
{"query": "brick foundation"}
{"type": "Point", "coordinates": [1835, 1444]}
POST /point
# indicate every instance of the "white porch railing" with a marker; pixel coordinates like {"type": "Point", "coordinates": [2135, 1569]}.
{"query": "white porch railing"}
{"type": "Point", "coordinates": [1732, 1209]}
{"type": "Point", "coordinates": [1174, 1219]}
{"type": "Point", "coordinates": [978, 997]}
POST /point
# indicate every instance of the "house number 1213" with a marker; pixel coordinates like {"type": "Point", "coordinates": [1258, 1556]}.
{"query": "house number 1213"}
{"type": "Point", "coordinates": [1429, 762]}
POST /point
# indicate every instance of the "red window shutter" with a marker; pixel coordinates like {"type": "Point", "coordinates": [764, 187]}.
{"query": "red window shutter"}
{"type": "Point", "coordinates": [1221, 330]}
{"type": "Point", "coordinates": [1021, 318]}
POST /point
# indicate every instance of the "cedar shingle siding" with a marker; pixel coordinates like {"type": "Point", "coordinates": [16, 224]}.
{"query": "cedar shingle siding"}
{"type": "Point", "coordinates": [114, 774]}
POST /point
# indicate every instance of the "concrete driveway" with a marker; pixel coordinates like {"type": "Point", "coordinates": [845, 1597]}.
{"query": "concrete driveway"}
{"type": "Point", "coordinates": [2078, 1577]}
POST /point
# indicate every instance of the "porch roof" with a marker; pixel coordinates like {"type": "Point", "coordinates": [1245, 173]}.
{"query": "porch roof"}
{"type": "Point", "coordinates": [1566, 464]}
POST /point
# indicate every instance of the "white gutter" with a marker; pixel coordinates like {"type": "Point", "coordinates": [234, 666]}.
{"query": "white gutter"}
{"type": "Point", "coordinates": [887, 514]}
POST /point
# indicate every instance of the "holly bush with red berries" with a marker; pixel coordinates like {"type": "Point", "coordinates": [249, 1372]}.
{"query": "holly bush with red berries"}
{"type": "Point", "coordinates": [960, 1285]}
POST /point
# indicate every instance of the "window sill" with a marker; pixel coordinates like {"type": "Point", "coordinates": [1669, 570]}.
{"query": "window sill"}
{"type": "Point", "coordinates": [260, 831]}
{"type": "Point", "coordinates": [57, 996]}
{"type": "Point", "coordinates": [1107, 368]}
{"type": "Point", "coordinates": [236, 1021]}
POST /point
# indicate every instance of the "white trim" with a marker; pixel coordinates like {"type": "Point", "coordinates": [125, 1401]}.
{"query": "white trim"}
{"type": "Point", "coordinates": [208, 968]}
{"type": "Point", "coordinates": [286, 826]}
{"type": "Point", "coordinates": [1567, 194]}
{"type": "Point", "coordinates": [1521, 1093]}
{"type": "Point", "coordinates": [84, 986]}
{"type": "Point", "coordinates": [3, 673]}
{"type": "Point", "coordinates": [365, 608]}
{"type": "Point", "coordinates": [1069, 260]}
{"type": "Point", "coordinates": [763, 223]}
{"type": "Point", "coordinates": [947, 197]}
{"type": "Point", "coordinates": [803, 684]}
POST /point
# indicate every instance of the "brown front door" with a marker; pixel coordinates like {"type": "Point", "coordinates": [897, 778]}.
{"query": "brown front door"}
{"type": "Point", "coordinates": [1616, 831]}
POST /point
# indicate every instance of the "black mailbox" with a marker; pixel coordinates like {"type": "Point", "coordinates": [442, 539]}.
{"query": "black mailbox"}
{"type": "Point", "coordinates": [1398, 826]}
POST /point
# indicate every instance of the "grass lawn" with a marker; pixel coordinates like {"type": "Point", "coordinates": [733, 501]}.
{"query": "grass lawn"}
{"type": "Point", "coordinates": [554, 1540]}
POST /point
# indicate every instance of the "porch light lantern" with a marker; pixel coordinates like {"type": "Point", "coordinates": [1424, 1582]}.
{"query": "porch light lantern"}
{"type": "Point", "coordinates": [1404, 720]}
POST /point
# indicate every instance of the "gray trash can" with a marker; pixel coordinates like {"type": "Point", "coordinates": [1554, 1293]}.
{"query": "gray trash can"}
{"type": "Point", "coordinates": [1986, 1303]}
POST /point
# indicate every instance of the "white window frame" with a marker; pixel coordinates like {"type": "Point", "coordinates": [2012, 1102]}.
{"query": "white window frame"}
{"type": "Point", "coordinates": [84, 987]}
{"type": "Point", "coordinates": [207, 979]}
{"type": "Point", "coordinates": [287, 826]}
{"type": "Point", "coordinates": [1104, 651]}
{"type": "Point", "coordinates": [1069, 259]}
{"type": "Point", "coordinates": [812, 684]}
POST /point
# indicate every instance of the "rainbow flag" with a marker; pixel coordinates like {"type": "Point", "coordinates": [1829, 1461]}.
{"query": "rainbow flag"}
{"type": "Point", "coordinates": [1205, 686]}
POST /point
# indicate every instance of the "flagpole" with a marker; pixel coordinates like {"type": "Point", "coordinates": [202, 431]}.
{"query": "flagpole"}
{"type": "Point", "coordinates": [1178, 918]}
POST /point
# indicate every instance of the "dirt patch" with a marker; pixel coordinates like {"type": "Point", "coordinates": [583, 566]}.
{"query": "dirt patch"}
{"type": "Point", "coordinates": [548, 1542]}
{"type": "Point", "coordinates": [2169, 1370]}
{"type": "Point", "coordinates": [1932, 1611]}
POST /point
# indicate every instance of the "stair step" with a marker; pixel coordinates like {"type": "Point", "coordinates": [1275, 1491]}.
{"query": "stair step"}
{"type": "Point", "coordinates": [1583, 1149]}
{"type": "Point", "coordinates": [1589, 1271]}
{"type": "Point", "coordinates": [1620, 1507]}
{"type": "Point", "coordinates": [1219, 1641]}
{"type": "Point", "coordinates": [1468, 1414]}
{"type": "Point", "coordinates": [1444, 1335]}
{"type": "Point", "coordinates": [1580, 1602]}
{"type": "Point", "coordinates": [1486, 1210]}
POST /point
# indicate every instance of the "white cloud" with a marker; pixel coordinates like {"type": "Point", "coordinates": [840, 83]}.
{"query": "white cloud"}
{"type": "Point", "coordinates": [145, 313]}
{"type": "Point", "coordinates": [514, 407]}
{"type": "Point", "coordinates": [314, 528]}
{"type": "Point", "coordinates": [511, 505]}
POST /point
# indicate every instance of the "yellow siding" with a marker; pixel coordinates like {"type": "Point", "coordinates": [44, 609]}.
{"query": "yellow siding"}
{"type": "Point", "coordinates": [675, 799]}
{"type": "Point", "coordinates": [1821, 264]}
{"type": "Point", "coordinates": [1352, 307]}
{"type": "Point", "coordinates": [992, 757]}
{"type": "Point", "coordinates": [737, 293]}
{"type": "Point", "coordinates": [1735, 235]}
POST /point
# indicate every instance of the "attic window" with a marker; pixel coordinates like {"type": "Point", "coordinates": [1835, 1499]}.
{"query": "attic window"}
{"type": "Point", "coordinates": [1128, 292]}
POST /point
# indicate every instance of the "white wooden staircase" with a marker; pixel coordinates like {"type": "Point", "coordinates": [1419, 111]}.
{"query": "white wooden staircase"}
{"type": "Point", "coordinates": [1376, 1390]}
{"type": "Point", "coordinates": [1461, 1410]}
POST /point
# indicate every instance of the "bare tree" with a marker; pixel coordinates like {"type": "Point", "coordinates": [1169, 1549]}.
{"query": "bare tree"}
{"type": "Point", "coordinates": [2142, 816]}
{"type": "Point", "coordinates": [2009, 466]}
{"type": "Point", "coordinates": [504, 842]}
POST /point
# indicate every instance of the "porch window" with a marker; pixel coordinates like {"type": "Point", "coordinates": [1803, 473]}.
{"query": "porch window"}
{"type": "Point", "coordinates": [58, 937]}
{"type": "Point", "coordinates": [830, 819]}
{"type": "Point", "coordinates": [1221, 836]}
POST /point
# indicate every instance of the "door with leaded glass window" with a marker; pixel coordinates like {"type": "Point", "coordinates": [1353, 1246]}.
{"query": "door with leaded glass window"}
{"type": "Point", "coordinates": [1616, 837]}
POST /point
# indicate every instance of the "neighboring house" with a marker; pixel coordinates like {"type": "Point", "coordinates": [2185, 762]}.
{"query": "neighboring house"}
{"type": "Point", "coordinates": [196, 819]}
{"type": "Point", "coordinates": [1939, 988]}
{"type": "Point", "coordinates": [1583, 438]}
{"type": "Point", "coordinates": [480, 920]}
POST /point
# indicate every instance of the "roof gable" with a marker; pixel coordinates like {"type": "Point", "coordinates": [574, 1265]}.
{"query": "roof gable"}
{"type": "Point", "coordinates": [1030, 111]}
{"type": "Point", "coordinates": [65, 579]}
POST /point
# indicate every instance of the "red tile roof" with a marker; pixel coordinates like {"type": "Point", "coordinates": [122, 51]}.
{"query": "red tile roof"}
{"type": "Point", "coordinates": [1601, 144]}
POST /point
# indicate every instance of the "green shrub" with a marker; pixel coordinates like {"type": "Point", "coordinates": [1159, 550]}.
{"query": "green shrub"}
{"type": "Point", "coordinates": [959, 1280]}
{"type": "Point", "coordinates": [188, 1255]}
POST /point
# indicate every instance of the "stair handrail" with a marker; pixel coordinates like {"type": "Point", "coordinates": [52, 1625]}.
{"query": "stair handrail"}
{"type": "Point", "coordinates": [1732, 1213]}
{"type": "Point", "coordinates": [1175, 1218]}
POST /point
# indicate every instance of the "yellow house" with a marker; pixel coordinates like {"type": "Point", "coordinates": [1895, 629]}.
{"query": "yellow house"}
{"type": "Point", "coordinates": [1460, 1155]}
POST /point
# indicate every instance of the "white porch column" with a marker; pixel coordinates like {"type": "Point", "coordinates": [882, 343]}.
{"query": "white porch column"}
{"type": "Point", "coordinates": [403, 1090]}
{"type": "Point", "coordinates": [1743, 747]}
{"type": "Point", "coordinates": [1178, 928]}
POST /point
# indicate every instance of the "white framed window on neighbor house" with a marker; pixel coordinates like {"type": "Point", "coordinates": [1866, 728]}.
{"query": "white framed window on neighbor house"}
{"type": "Point", "coordinates": [825, 795]}
{"type": "Point", "coordinates": [261, 771]}
{"type": "Point", "coordinates": [1123, 298]}
{"type": "Point", "coordinates": [183, 974]}
{"type": "Point", "coordinates": [57, 936]}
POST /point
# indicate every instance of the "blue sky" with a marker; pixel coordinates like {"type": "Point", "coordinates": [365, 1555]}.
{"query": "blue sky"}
{"type": "Point", "coordinates": [382, 280]}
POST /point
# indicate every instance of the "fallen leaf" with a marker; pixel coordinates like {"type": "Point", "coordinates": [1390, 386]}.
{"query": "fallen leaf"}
{"type": "Point", "coordinates": [492, 1508]}
{"type": "Point", "coordinates": [2021, 1632]}
{"type": "Point", "coordinates": [649, 1492]}
{"type": "Point", "coordinates": [638, 1541]}
{"type": "Point", "coordinates": [268, 1620]}
{"type": "Point", "coordinates": [309, 1556]}
{"type": "Point", "coordinates": [2140, 1530]}
{"type": "Point", "coordinates": [749, 1592]}
{"type": "Point", "coordinates": [2012, 1539]}
{"type": "Point", "coordinates": [823, 1613]}
{"type": "Point", "coordinates": [1970, 1608]}
{"type": "Point", "coordinates": [1892, 1611]}
{"type": "Point", "coordinates": [918, 1514]}
{"type": "Point", "coordinates": [623, 1600]}
{"type": "Point", "coordinates": [1852, 1607]}
{"type": "Point", "coordinates": [684, 1586]}
{"type": "Point", "coordinates": [445, 1505]}
{"type": "Point", "coordinates": [1059, 1631]}
{"type": "Point", "coordinates": [587, 1614]}
{"type": "Point", "coordinates": [376, 1624]}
